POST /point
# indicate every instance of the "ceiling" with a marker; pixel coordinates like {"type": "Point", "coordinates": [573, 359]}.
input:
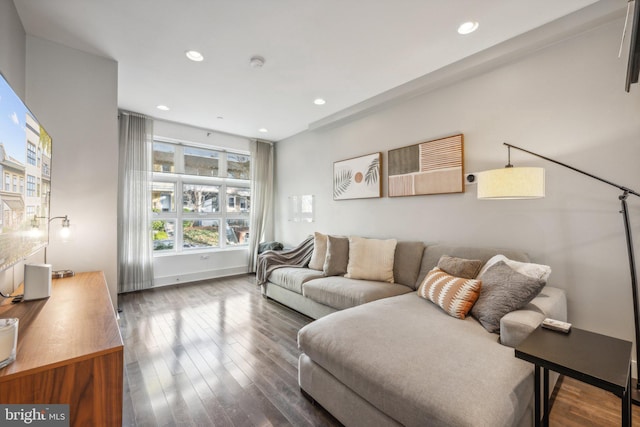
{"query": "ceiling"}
{"type": "Point", "coordinates": [344, 51]}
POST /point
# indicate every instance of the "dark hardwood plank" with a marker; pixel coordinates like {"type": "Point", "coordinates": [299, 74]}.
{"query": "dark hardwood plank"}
{"type": "Point", "coordinates": [216, 353]}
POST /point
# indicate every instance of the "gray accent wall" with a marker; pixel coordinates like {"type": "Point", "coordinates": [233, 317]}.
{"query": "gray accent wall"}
{"type": "Point", "coordinates": [565, 101]}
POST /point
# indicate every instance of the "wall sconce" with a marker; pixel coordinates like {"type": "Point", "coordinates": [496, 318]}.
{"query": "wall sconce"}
{"type": "Point", "coordinates": [65, 231]}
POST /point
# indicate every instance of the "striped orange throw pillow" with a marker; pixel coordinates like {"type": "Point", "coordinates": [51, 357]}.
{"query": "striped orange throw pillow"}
{"type": "Point", "coordinates": [454, 295]}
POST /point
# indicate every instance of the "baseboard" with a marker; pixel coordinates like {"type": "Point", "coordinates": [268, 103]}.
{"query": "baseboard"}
{"type": "Point", "coordinates": [200, 275]}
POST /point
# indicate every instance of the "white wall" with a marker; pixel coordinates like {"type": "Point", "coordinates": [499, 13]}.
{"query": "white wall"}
{"type": "Point", "coordinates": [193, 266]}
{"type": "Point", "coordinates": [74, 96]}
{"type": "Point", "coordinates": [12, 47]}
{"type": "Point", "coordinates": [565, 101]}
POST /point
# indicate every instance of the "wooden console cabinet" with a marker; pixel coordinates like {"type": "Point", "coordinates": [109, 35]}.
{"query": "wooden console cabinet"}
{"type": "Point", "coordinates": [69, 351]}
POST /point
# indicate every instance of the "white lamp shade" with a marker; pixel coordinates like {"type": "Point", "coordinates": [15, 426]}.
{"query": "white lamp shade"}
{"type": "Point", "coordinates": [511, 183]}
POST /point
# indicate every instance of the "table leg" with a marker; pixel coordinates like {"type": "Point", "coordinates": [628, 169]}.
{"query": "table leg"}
{"type": "Point", "coordinates": [536, 396]}
{"type": "Point", "coordinates": [545, 415]}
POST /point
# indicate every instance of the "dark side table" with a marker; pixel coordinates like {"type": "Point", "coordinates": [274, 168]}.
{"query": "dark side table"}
{"type": "Point", "coordinates": [595, 359]}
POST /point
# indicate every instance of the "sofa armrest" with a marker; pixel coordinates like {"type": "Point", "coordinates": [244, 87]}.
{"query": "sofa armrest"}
{"type": "Point", "coordinates": [517, 325]}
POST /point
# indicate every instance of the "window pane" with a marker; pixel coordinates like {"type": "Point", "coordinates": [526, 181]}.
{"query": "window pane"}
{"type": "Point", "coordinates": [200, 198]}
{"type": "Point", "coordinates": [163, 197]}
{"type": "Point", "coordinates": [201, 162]}
{"type": "Point", "coordinates": [163, 235]}
{"type": "Point", "coordinates": [238, 199]}
{"type": "Point", "coordinates": [237, 232]}
{"type": "Point", "coordinates": [163, 157]}
{"type": "Point", "coordinates": [238, 166]}
{"type": "Point", "coordinates": [200, 233]}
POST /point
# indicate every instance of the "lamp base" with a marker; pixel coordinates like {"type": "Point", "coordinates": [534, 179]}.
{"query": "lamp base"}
{"type": "Point", "coordinates": [635, 392]}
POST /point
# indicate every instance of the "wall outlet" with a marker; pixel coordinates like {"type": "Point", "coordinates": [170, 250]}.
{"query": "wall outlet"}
{"type": "Point", "coordinates": [470, 178]}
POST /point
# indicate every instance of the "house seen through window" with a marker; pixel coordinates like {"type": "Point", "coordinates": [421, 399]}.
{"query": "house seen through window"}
{"type": "Point", "coordinates": [201, 198]}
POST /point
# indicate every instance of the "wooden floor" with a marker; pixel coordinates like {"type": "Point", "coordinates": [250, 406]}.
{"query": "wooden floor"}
{"type": "Point", "coordinates": [216, 353]}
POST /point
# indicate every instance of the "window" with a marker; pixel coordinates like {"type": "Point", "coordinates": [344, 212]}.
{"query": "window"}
{"type": "Point", "coordinates": [163, 197]}
{"type": "Point", "coordinates": [201, 162]}
{"type": "Point", "coordinates": [238, 199]}
{"type": "Point", "coordinates": [31, 186]}
{"type": "Point", "coordinates": [238, 166]}
{"type": "Point", "coordinates": [213, 209]}
{"type": "Point", "coordinates": [163, 155]}
{"type": "Point", "coordinates": [7, 182]}
{"type": "Point", "coordinates": [163, 235]}
{"type": "Point", "coordinates": [15, 183]}
{"type": "Point", "coordinates": [21, 185]}
{"type": "Point", "coordinates": [31, 154]}
{"type": "Point", "coordinates": [201, 233]}
{"type": "Point", "coordinates": [200, 198]}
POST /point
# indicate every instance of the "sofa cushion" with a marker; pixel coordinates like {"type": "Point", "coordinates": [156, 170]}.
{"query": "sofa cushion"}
{"type": "Point", "coordinates": [460, 267]}
{"type": "Point", "coordinates": [292, 278]}
{"type": "Point", "coordinates": [319, 251]}
{"type": "Point", "coordinates": [503, 291]}
{"type": "Point", "coordinates": [371, 259]}
{"type": "Point", "coordinates": [537, 271]}
{"type": "Point", "coordinates": [433, 253]}
{"type": "Point", "coordinates": [340, 292]}
{"type": "Point", "coordinates": [406, 262]}
{"type": "Point", "coordinates": [395, 352]}
{"type": "Point", "coordinates": [455, 295]}
{"type": "Point", "coordinates": [335, 263]}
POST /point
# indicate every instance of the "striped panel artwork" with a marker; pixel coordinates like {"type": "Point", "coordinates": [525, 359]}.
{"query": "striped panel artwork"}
{"type": "Point", "coordinates": [454, 295]}
{"type": "Point", "coordinates": [432, 167]}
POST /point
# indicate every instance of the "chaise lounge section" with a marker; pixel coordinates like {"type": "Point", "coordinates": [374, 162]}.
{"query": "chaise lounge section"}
{"type": "Point", "coordinates": [376, 359]}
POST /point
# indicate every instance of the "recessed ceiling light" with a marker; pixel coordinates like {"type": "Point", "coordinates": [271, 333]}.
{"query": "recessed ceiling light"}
{"type": "Point", "coordinates": [319, 101]}
{"type": "Point", "coordinates": [163, 107]}
{"type": "Point", "coordinates": [194, 55]}
{"type": "Point", "coordinates": [468, 27]}
{"type": "Point", "coordinates": [263, 130]}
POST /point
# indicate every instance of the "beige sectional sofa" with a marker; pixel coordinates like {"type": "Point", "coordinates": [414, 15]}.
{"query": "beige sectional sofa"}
{"type": "Point", "coordinates": [381, 355]}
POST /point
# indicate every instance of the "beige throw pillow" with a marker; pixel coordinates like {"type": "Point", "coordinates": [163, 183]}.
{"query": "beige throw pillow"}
{"type": "Point", "coordinates": [371, 259]}
{"type": "Point", "coordinates": [319, 251]}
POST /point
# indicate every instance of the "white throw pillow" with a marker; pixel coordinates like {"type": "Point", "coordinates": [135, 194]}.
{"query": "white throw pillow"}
{"type": "Point", "coordinates": [319, 251]}
{"type": "Point", "coordinates": [535, 271]}
{"type": "Point", "coordinates": [371, 259]}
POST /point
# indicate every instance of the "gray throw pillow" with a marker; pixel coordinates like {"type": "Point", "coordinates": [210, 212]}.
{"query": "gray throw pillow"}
{"type": "Point", "coordinates": [337, 259]}
{"type": "Point", "coordinates": [406, 263]}
{"type": "Point", "coordinates": [460, 267]}
{"type": "Point", "coordinates": [503, 291]}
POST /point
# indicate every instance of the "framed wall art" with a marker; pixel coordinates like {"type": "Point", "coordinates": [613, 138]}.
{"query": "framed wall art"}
{"type": "Point", "coordinates": [431, 167]}
{"type": "Point", "coordinates": [358, 178]}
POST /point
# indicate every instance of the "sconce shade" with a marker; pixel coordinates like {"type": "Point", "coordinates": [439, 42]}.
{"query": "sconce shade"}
{"type": "Point", "coordinates": [511, 183]}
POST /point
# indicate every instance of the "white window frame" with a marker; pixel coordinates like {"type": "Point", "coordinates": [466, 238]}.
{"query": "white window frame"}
{"type": "Point", "coordinates": [179, 179]}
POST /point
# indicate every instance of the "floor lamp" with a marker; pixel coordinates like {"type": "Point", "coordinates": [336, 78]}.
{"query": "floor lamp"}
{"type": "Point", "coordinates": [528, 183]}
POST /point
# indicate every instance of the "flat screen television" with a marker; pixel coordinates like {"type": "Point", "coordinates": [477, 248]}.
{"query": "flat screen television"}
{"type": "Point", "coordinates": [25, 179]}
{"type": "Point", "coordinates": [633, 65]}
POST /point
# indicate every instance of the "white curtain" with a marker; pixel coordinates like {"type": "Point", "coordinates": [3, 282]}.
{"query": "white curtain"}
{"type": "Point", "coordinates": [135, 252]}
{"type": "Point", "coordinates": [261, 226]}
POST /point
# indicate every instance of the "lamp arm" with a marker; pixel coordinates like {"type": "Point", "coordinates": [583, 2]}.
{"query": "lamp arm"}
{"type": "Point", "coordinates": [624, 189]}
{"type": "Point", "coordinates": [632, 263]}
